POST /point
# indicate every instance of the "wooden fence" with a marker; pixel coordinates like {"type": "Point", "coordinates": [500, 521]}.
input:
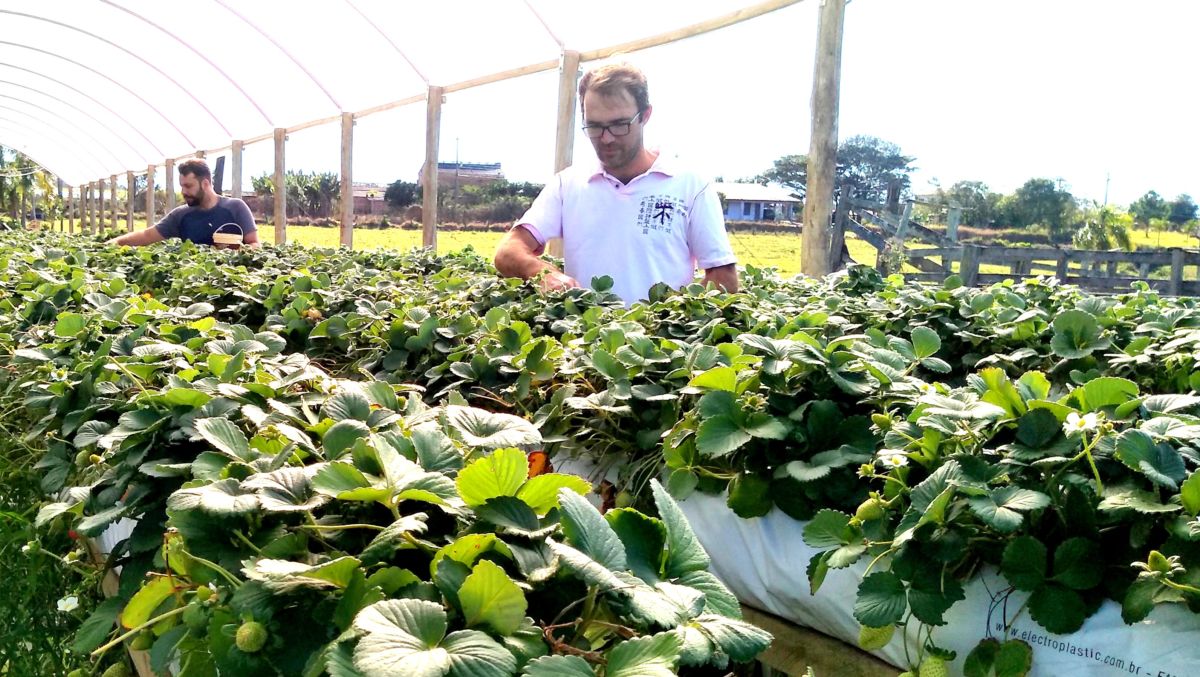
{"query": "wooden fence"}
{"type": "Point", "coordinates": [937, 256]}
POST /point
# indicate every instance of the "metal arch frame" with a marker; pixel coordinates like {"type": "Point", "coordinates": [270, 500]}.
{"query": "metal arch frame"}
{"type": "Point", "coordinates": [68, 104]}
{"type": "Point", "coordinates": [283, 50]}
{"type": "Point", "coordinates": [70, 125]}
{"type": "Point", "coordinates": [198, 53]}
{"type": "Point", "coordinates": [22, 132]}
{"type": "Point", "coordinates": [110, 43]}
{"type": "Point", "coordinates": [51, 129]}
{"type": "Point", "coordinates": [389, 40]}
{"type": "Point", "coordinates": [562, 46]}
{"type": "Point", "coordinates": [88, 68]}
{"type": "Point", "coordinates": [91, 98]}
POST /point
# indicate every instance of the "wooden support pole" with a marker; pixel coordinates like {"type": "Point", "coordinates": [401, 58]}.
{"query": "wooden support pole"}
{"type": "Point", "coordinates": [429, 182]}
{"type": "Point", "coordinates": [1064, 265]}
{"type": "Point", "coordinates": [1177, 259]}
{"type": "Point", "coordinates": [969, 269]}
{"type": "Point", "coordinates": [90, 210]}
{"type": "Point", "coordinates": [129, 196]}
{"type": "Point", "coordinates": [564, 139]}
{"type": "Point", "coordinates": [70, 209]}
{"type": "Point", "coordinates": [103, 210]}
{"type": "Point", "coordinates": [837, 239]}
{"type": "Point", "coordinates": [347, 185]}
{"type": "Point", "coordinates": [280, 187]}
{"type": "Point", "coordinates": [151, 216]}
{"type": "Point", "coordinates": [112, 201]}
{"type": "Point", "coordinates": [235, 153]}
{"type": "Point", "coordinates": [169, 183]}
{"type": "Point", "coordinates": [952, 220]}
{"type": "Point", "coordinates": [822, 154]}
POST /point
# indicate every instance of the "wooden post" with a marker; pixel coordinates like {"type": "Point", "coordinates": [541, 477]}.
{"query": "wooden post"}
{"type": "Point", "coordinates": [1144, 270]}
{"type": "Point", "coordinates": [129, 185]}
{"type": "Point", "coordinates": [235, 171]}
{"type": "Point", "coordinates": [952, 220]}
{"type": "Point", "coordinates": [1177, 259]}
{"type": "Point", "coordinates": [347, 187]}
{"type": "Point", "coordinates": [103, 210]}
{"type": "Point", "coordinates": [837, 239]}
{"type": "Point", "coordinates": [564, 139]}
{"type": "Point", "coordinates": [169, 183]}
{"type": "Point", "coordinates": [1064, 265]}
{"type": "Point", "coordinates": [280, 187]}
{"type": "Point", "coordinates": [969, 268]}
{"type": "Point", "coordinates": [902, 225]}
{"type": "Point", "coordinates": [822, 154]}
{"type": "Point", "coordinates": [429, 182]}
{"type": "Point", "coordinates": [112, 201]}
{"type": "Point", "coordinates": [70, 209]}
{"type": "Point", "coordinates": [1112, 268]}
{"type": "Point", "coordinates": [151, 170]}
{"type": "Point", "coordinates": [90, 207]}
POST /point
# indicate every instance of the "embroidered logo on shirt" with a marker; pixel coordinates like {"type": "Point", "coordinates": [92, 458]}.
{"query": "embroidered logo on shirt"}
{"type": "Point", "coordinates": [659, 213]}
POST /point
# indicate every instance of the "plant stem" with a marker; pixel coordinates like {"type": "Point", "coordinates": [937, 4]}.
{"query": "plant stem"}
{"type": "Point", "coordinates": [340, 527]}
{"type": "Point", "coordinates": [143, 626]}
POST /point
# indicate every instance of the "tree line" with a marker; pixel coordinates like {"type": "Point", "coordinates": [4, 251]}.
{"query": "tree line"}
{"type": "Point", "coordinates": [869, 164]}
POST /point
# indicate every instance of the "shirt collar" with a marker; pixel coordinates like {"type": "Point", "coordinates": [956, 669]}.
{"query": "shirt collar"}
{"type": "Point", "coordinates": [663, 164]}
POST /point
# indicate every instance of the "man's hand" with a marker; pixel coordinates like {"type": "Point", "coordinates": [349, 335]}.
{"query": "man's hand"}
{"type": "Point", "coordinates": [725, 277]}
{"type": "Point", "coordinates": [556, 281]}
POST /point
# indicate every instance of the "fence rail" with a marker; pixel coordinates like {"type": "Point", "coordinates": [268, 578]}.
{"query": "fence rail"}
{"type": "Point", "coordinates": [890, 231]}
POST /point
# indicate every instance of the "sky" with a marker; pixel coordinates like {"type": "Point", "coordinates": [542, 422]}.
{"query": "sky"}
{"type": "Point", "coordinates": [1101, 94]}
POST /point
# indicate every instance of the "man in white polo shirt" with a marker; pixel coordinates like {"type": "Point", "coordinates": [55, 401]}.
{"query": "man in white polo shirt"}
{"type": "Point", "coordinates": [636, 216]}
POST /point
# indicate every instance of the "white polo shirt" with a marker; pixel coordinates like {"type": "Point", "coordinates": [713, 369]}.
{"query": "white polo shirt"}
{"type": "Point", "coordinates": [657, 228]}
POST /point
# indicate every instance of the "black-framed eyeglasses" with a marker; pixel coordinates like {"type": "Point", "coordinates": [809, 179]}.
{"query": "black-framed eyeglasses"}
{"type": "Point", "coordinates": [616, 128]}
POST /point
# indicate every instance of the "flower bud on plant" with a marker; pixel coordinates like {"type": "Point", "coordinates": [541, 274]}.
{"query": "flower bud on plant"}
{"type": "Point", "coordinates": [96, 459]}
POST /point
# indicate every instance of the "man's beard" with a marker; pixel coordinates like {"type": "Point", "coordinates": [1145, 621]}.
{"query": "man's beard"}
{"type": "Point", "coordinates": [191, 200]}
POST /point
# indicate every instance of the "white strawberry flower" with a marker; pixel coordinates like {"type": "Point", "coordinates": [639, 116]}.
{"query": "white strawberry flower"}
{"type": "Point", "coordinates": [68, 604]}
{"type": "Point", "coordinates": [891, 458]}
{"type": "Point", "coordinates": [1078, 424]}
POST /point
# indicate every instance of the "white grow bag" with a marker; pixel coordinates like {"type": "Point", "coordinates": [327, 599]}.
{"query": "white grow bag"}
{"type": "Point", "coordinates": [764, 562]}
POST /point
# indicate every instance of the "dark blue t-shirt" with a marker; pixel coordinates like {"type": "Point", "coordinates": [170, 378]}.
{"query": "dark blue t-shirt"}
{"type": "Point", "coordinates": [198, 225]}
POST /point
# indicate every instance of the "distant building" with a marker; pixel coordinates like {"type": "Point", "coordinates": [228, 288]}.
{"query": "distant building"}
{"type": "Point", "coordinates": [754, 202]}
{"type": "Point", "coordinates": [451, 174]}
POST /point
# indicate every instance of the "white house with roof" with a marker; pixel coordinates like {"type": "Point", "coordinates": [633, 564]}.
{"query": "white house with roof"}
{"type": "Point", "coordinates": [754, 202]}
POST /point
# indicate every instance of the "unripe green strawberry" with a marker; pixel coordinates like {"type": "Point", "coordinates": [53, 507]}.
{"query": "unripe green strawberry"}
{"type": "Point", "coordinates": [83, 458]}
{"type": "Point", "coordinates": [116, 670]}
{"type": "Point", "coordinates": [625, 499]}
{"type": "Point", "coordinates": [870, 509]}
{"type": "Point", "coordinates": [933, 666]}
{"type": "Point", "coordinates": [143, 641]}
{"type": "Point", "coordinates": [875, 638]}
{"type": "Point", "coordinates": [96, 459]}
{"type": "Point", "coordinates": [883, 421]}
{"type": "Point", "coordinates": [251, 636]}
{"type": "Point", "coordinates": [195, 617]}
{"type": "Point", "coordinates": [203, 593]}
{"type": "Point", "coordinates": [1158, 563]}
{"type": "Point", "coordinates": [906, 673]}
{"type": "Point", "coordinates": [77, 672]}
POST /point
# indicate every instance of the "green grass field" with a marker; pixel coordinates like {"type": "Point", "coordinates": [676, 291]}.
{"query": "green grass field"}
{"type": "Point", "coordinates": [779, 251]}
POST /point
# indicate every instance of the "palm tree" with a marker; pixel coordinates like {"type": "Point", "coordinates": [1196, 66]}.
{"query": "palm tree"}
{"type": "Point", "coordinates": [1104, 229]}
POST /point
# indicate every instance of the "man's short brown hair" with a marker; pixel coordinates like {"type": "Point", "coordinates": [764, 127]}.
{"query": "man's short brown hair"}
{"type": "Point", "coordinates": [614, 78]}
{"type": "Point", "coordinates": [195, 167]}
